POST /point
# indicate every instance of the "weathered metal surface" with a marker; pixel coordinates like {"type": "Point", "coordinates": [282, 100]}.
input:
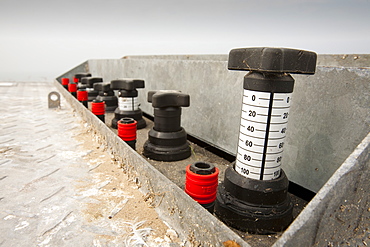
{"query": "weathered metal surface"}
{"type": "Point", "coordinates": [174, 206]}
{"type": "Point", "coordinates": [54, 99]}
{"type": "Point", "coordinates": [47, 180]}
{"type": "Point", "coordinates": [39, 164]}
{"type": "Point", "coordinates": [329, 112]}
{"type": "Point", "coordinates": [339, 214]}
{"type": "Point", "coordinates": [330, 117]}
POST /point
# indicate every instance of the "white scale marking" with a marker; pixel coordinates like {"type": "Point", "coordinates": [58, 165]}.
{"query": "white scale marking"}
{"type": "Point", "coordinates": [256, 157]}
{"type": "Point", "coordinates": [128, 103]}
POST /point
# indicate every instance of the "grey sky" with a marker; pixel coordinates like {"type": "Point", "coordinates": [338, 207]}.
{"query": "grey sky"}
{"type": "Point", "coordinates": [41, 39]}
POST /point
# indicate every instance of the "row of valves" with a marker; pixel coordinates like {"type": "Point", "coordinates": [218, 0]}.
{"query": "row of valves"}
{"type": "Point", "coordinates": [167, 139]}
{"type": "Point", "coordinates": [254, 194]}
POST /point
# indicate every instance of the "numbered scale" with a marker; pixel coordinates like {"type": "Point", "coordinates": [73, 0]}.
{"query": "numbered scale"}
{"type": "Point", "coordinates": [128, 104]}
{"type": "Point", "coordinates": [263, 127]}
{"type": "Point", "coordinates": [254, 194]}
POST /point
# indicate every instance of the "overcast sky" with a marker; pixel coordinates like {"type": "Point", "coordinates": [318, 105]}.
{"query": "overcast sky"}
{"type": "Point", "coordinates": [41, 39]}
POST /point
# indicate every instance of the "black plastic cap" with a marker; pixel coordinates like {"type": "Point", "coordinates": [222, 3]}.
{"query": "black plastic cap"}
{"type": "Point", "coordinates": [280, 60]}
{"type": "Point", "coordinates": [102, 86]}
{"type": "Point", "coordinates": [127, 120]}
{"type": "Point", "coordinates": [168, 98]}
{"type": "Point", "coordinates": [202, 168]}
{"type": "Point", "coordinates": [80, 75]}
{"type": "Point", "coordinates": [127, 84]}
{"type": "Point", "coordinates": [92, 80]}
{"type": "Point", "coordinates": [84, 80]}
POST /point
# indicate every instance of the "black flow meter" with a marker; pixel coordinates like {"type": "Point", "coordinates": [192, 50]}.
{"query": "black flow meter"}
{"type": "Point", "coordinates": [253, 196]}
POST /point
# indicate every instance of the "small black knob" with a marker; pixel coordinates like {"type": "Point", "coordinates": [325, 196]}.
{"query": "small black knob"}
{"type": "Point", "coordinates": [81, 75]}
{"type": "Point", "coordinates": [168, 98]}
{"type": "Point", "coordinates": [202, 168]}
{"type": "Point", "coordinates": [84, 80]}
{"type": "Point", "coordinates": [127, 120]}
{"type": "Point", "coordinates": [167, 109]}
{"type": "Point", "coordinates": [127, 84]}
{"type": "Point", "coordinates": [274, 60]}
{"type": "Point", "coordinates": [102, 86]}
{"type": "Point", "coordinates": [90, 81]}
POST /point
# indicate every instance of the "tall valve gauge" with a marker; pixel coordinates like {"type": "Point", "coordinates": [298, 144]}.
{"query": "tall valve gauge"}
{"type": "Point", "coordinates": [254, 194]}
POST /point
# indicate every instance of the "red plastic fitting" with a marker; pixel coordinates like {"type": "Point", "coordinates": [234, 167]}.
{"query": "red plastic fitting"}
{"type": "Point", "coordinates": [72, 87]}
{"type": "Point", "coordinates": [98, 107]}
{"type": "Point", "coordinates": [200, 186]}
{"type": "Point", "coordinates": [82, 95]}
{"type": "Point", "coordinates": [127, 129]}
{"type": "Point", "coordinates": [75, 79]}
{"type": "Point", "coordinates": [65, 81]}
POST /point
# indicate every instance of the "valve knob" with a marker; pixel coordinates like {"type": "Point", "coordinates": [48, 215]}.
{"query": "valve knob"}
{"type": "Point", "coordinates": [90, 81]}
{"type": "Point", "coordinates": [79, 76]}
{"type": "Point", "coordinates": [106, 94]}
{"type": "Point", "coordinates": [273, 60]}
{"type": "Point", "coordinates": [127, 84]}
{"type": "Point", "coordinates": [83, 82]}
{"type": "Point", "coordinates": [102, 86]}
{"type": "Point", "coordinates": [167, 98]}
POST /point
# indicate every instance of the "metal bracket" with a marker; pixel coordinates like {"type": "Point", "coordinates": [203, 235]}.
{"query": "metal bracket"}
{"type": "Point", "coordinates": [54, 100]}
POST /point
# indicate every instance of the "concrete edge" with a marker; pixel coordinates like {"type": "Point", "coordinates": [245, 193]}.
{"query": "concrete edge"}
{"type": "Point", "coordinates": [310, 216]}
{"type": "Point", "coordinates": [174, 206]}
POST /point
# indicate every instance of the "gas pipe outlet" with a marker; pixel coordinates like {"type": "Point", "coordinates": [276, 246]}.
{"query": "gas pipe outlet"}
{"type": "Point", "coordinates": [98, 109]}
{"type": "Point", "coordinates": [201, 183]}
{"type": "Point", "coordinates": [127, 131]}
